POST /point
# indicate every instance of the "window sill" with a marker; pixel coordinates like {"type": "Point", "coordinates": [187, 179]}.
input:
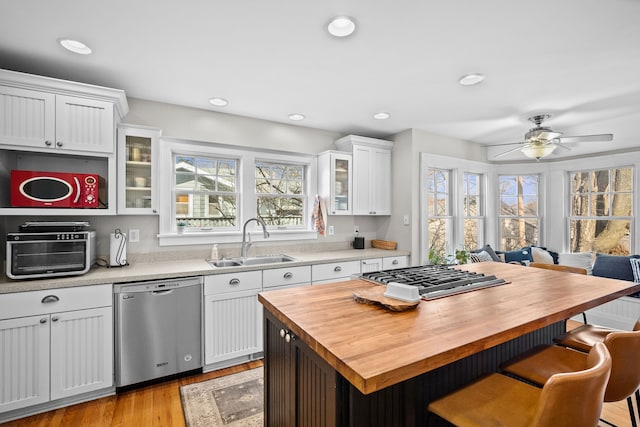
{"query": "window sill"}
{"type": "Point", "coordinates": [203, 238]}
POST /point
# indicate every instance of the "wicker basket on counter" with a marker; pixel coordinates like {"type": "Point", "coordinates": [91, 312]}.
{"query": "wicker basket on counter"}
{"type": "Point", "coordinates": [384, 244]}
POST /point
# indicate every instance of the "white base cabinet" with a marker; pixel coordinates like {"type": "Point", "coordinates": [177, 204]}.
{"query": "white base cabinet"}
{"type": "Point", "coordinates": [66, 349]}
{"type": "Point", "coordinates": [232, 317]}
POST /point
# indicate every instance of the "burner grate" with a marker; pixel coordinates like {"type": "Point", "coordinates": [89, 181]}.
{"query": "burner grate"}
{"type": "Point", "coordinates": [435, 281]}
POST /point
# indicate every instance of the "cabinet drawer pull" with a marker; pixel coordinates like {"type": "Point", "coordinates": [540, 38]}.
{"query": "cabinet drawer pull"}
{"type": "Point", "coordinates": [234, 282]}
{"type": "Point", "coordinates": [55, 318]}
{"type": "Point", "coordinates": [43, 320]}
{"type": "Point", "coordinates": [395, 262]}
{"type": "Point", "coordinates": [288, 275]}
{"type": "Point", "coordinates": [59, 143]}
{"type": "Point", "coordinates": [337, 269]}
{"type": "Point", "coordinates": [282, 333]}
{"type": "Point", "coordinates": [50, 298]}
{"type": "Point", "coordinates": [47, 143]}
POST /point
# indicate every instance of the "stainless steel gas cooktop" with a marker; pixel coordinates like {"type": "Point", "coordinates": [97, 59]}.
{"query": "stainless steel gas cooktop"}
{"type": "Point", "coordinates": [435, 281]}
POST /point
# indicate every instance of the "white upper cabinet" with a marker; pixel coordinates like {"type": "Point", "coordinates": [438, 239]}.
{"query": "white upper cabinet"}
{"type": "Point", "coordinates": [371, 174]}
{"type": "Point", "coordinates": [335, 181]}
{"type": "Point", "coordinates": [50, 115]}
{"type": "Point", "coordinates": [137, 164]}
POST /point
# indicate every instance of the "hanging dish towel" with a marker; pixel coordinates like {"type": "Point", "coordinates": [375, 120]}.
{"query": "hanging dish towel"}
{"type": "Point", "coordinates": [317, 216]}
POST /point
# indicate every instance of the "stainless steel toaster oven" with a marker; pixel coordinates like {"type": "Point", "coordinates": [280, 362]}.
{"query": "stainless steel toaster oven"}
{"type": "Point", "coordinates": [50, 254]}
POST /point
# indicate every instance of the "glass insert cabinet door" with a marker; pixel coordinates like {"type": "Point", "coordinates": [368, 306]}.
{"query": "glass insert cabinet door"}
{"type": "Point", "coordinates": [341, 176]}
{"type": "Point", "coordinates": [137, 158]}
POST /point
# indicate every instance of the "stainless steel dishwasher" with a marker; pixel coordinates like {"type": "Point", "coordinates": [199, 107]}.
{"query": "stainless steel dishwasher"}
{"type": "Point", "coordinates": [158, 329]}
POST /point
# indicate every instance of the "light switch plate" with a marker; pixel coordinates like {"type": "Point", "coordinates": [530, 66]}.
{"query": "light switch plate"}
{"type": "Point", "coordinates": [331, 230]}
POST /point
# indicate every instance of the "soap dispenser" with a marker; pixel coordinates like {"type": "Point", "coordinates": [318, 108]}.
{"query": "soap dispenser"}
{"type": "Point", "coordinates": [214, 252]}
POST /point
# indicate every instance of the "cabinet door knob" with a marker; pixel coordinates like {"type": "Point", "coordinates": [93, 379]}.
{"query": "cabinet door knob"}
{"type": "Point", "coordinates": [47, 143]}
{"type": "Point", "coordinates": [43, 320]}
{"type": "Point", "coordinates": [394, 262]}
{"type": "Point", "coordinates": [289, 337]}
{"type": "Point", "coordinates": [288, 275]}
{"type": "Point", "coordinates": [55, 318]}
{"type": "Point", "coordinates": [50, 298]}
{"type": "Point", "coordinates": [282, 333]}
{"type": "Point", "coordinates": [337, 269]}
{"type": "Point", "coordinates": [234, 282]}
{"type": "Point", "coordinates": [59, 143]}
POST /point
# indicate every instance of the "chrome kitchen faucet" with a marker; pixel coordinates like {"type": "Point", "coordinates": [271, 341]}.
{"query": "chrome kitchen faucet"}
{"type": "Point", "coordinates": [246, 244]}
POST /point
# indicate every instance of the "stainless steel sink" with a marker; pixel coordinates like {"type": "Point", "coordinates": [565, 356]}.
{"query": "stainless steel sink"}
{"type": "Point", "coordinates": [253, 260]}
{"type": "Point", "coordinates": [267, 259]}
{"type": "Point", "coordinates": [224, 263]}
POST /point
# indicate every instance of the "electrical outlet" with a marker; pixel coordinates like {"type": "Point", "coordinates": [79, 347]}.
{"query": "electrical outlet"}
{"type": "Point", "coordinates": [356, 229]}
{"type": "Point", "coordinates": [134, 235]}
{"type": "Point", "coordinates": [331, 230]}
{"type": "Point", "coordinates": [405, 220]}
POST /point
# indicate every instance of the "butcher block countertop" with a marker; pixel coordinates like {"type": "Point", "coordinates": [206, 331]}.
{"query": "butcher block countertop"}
{"type": "Point", "coordinates": [374, 348]}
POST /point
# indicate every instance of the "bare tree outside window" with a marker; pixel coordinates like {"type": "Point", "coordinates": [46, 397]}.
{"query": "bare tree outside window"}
{"type": "Point", "coordinates": [439, 220]}
{"type": "Point", "coordinates": [280, 194]}
{"type": "Point", "coordinates": [600, 217]}
{"type": "Point", "coordinates": [473, 210]}
{"type": "Point", "coordinates": [519, 220]}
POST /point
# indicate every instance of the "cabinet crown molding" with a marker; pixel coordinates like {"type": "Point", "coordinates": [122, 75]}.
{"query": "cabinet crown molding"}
{"type": "Point", "coordinates": [346, 142]}
{"type": "Point", "coordinates": [65, 87]}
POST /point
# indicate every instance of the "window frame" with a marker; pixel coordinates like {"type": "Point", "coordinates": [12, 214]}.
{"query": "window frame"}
{"type": "Point", "coordinates": [539, 204]}
{"type": "Point", "coordinates": [449, 216]}
{"type": "Point", "coordinates": [480, 218]}
{"type": "Point", "coordinates": [246, 209]}
{"type": "Point", "coordinates": [569, 194]}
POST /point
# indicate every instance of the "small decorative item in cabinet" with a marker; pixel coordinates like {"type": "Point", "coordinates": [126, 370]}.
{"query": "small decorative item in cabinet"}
{"type": "Point", "coordinates": [384, 244]}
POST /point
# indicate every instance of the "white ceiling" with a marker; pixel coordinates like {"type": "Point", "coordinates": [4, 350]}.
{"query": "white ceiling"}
{"type": "Point", "coordinates": [578, 60]}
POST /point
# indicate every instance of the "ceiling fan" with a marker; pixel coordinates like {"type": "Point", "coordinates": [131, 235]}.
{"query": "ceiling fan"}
{"type": "Point", "coordinates": [541, 141]}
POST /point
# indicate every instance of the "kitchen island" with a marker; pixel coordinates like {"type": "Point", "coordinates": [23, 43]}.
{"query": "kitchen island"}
{"type": "Point", "coordinates": [332, 361]}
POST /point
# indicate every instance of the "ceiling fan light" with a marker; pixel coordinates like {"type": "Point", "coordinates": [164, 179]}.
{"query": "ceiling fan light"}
{"type": "Point", "coordinates": [538, 151]}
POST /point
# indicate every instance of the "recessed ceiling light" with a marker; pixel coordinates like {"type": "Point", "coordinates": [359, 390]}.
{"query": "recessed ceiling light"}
{"type": "Point", "coordinates": [75, 46]}
{"type": "Point", "coordinates": [381, 115]}
{"type": "Point", "coordinates": [341, 26]}
{"type": "Point", "coordinates": [218, 102]}
{"type": "Point", "coordinates": [471, 79]}
{"type": "Point", "coordinates": [296, 117]}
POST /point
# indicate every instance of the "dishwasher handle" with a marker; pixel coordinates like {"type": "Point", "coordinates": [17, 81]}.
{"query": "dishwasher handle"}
{"type": "Point", "coordinates": [162, 292]}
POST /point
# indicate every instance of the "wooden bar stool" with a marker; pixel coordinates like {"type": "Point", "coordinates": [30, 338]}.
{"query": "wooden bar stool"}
{"type": "Point", "coordinates": [566, 399]}
{"type": "Point", "coordinates": [542, 362]}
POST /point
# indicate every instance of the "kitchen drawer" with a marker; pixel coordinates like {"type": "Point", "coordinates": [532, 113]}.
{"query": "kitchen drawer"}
{"type": "Point", "coordinates": [334, 270]}
{"type": "Point", "coordinates": [394, 262]}
{"type": "Point", "coordinates": [232, 282]}
{"type": "Point", "coordinates": [22, 304]}
{"type": "Point", "coordinates": [286, 276]}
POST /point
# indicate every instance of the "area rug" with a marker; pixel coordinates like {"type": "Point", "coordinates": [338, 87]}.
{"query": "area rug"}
{"type": "Point", "coordinates": [233, 400]}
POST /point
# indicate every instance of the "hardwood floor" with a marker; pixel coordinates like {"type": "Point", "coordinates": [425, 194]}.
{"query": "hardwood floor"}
{"type": "Point", "coordinates": [159, 405]}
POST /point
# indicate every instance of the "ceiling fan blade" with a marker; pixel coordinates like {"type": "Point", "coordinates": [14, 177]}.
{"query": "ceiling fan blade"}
{"type": "Point", "coordinates": [511, 151]}
{"type": "Point", "coordinates": [561, 145]}
{"type": "Point", "coordinates": [506, 143]}
{"type": "Point", "coordinates": [587, 138]}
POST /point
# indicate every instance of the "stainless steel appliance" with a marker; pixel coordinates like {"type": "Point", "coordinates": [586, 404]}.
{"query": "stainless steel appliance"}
{"type": "Point", "coordinates": [48, 249]}
{"type": "Point", "coordinates": [434, 281]}
{"type": "Point", "coordinates": [158, 329]}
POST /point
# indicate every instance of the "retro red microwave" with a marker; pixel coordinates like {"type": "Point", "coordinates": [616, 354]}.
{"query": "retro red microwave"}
{"type": "Point", "coordinates": [34, 189]}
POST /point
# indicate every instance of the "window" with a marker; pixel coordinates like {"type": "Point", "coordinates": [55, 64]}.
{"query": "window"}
{"type": "Point", "coordinates": [206, 192]}
{"type": "Point", "coordinates": [439, 219]}
{"type": "Point", "coordinates": [600, 217]}
{"type": "Point", "coordinates": [280, 197]}
{"type": "Point", "coordinates": [473, 206]}
{"type": "Point", "coordinates": [519, 210]}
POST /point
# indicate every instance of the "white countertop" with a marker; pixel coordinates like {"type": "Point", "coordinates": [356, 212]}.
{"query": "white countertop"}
{"type": "Point", "coordinates": [139, 271]}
